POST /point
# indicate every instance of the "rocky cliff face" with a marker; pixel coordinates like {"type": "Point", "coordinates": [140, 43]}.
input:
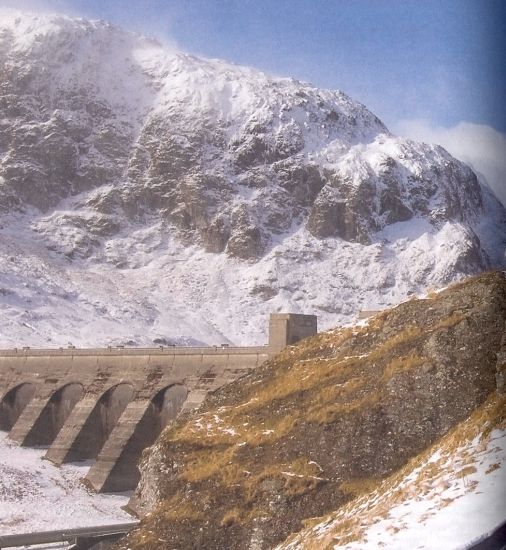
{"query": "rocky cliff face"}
{"type": "Point", "coordinates": [325, 418]}
{"type": "Point", "coordinates": [119, 152]}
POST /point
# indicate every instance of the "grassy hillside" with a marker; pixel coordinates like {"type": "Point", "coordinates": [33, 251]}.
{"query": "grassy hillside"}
{"type": "Point", "coordinates": [323, 421]}
{"type": "Point", "coordinates": [431, 499]}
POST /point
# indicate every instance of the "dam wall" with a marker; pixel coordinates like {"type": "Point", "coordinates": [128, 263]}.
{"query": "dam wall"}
{"type": "Point", "coordinates": [108, 404]}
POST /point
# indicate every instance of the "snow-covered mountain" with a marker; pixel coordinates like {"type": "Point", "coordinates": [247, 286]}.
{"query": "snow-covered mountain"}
{"type": "Point", "coordinates": [147, 195]}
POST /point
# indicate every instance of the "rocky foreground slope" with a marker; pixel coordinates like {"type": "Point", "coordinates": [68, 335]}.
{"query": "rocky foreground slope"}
{"type": "Point", "coordinates": [150, 195]}
{"type": "Point", "coordinates": [450, 496]}
{"type": "Point", "coordinates": [325, 420]}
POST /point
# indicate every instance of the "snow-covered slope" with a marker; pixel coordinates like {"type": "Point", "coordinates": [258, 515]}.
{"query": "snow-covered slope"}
{"type": "Point", "coordinates": [35, 495]}
{"type": "Point", "coordinates": [146, 194]}
{"type": "Point", "coordinates": [448, 497]}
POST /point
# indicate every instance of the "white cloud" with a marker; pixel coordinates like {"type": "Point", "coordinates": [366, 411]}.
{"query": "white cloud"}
{"type": "Point", "coordinates": [482, 147]}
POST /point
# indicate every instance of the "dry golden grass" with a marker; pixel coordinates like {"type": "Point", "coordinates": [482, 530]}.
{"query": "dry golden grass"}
{"type": "Point", "coordinates": [402, 364]}
{"type": "Point", "coordinates": [304, 467]}
{"type": "Point", "coordinates": [324, 386]}
{"type": "Point", "coordinates": [493, 468]}
{"type": "Point", "coordinates": [468, 470]}
{"type": "Point", "coordinates": [431, 294]}
{"type": "Point", "coordinates": [294, 479]}
{"type": "Point", "coordinates": [332, 392]}
{"type": "Point", "coordinates": [207, 463]}
{"type": "Point", "coordinates": [342, 539]}
{"type": "Point", "coordinates": [368, 507]}
{"type": "Point", "coordinates": [359, 486]}
{"type": "Point", "coordinates": [450, 321]}
{"type": "Point", "coordinates": [377, 322]}
{"type": "Point", "coordinates": [334, 338]}
{"type": "Point", "coordinates": [217, 449]}
{"type": "Point", "coordinates": [297, 486]}
{"type": "Point", "coordinates": [219, 435]}
{"type": "Point", "coordinates": [408, 334]}
{"type": "Point", "coordinates": [231, 517]}
{"type": "Point", "coordinates": [331, 412]}
{"type": "Point", "coordinates": [178, 510]}
{"type": "Point", "coordinates": [312, 381]}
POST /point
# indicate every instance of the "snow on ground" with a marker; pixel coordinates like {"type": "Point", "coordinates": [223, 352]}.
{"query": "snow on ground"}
{"type": "Point", "coordinates": [65, 279]}
{"type": "Point", "coordinates": [466, 501]}
{"type": "Point", "coordinates": [35, 495]}
{"type": "Point", "coordinates": [446, 498]}
{"type": "Point", "coordinates": [184, 295]}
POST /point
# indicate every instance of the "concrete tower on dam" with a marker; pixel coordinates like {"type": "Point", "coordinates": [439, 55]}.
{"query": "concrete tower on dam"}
{"type": "Point", "coordinates": [109, 404]}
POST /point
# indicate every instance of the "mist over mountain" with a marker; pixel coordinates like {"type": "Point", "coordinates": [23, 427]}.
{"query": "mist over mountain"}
{"type": "Point", "coordinates": [147, 195]}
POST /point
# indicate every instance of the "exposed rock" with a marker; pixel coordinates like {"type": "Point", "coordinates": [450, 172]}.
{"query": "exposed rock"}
{"type": "Point", "coordinates": [350, 406]}
{"type": "Point", "coordinates": [64, 134]}
{"type": "Point", "coordinates": [117, 152]}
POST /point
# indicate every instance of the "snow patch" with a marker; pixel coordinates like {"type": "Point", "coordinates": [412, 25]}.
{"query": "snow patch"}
{"type": "Point", "coordinates": [35, 495]}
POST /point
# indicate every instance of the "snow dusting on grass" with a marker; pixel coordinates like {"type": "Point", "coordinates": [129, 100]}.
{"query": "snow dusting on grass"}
{"type": "Point", "coordinates": [35, 495]}
{"type": "Point", "coordinates": [445, 498]}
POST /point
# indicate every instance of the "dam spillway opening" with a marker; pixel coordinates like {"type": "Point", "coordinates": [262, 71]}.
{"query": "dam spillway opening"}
{"type": "Point", "coordinates": [13, 404]}
{"type": "Point", "coordinates": [164, 406]}
{"type": "Point", "coordinates": [100, 423]}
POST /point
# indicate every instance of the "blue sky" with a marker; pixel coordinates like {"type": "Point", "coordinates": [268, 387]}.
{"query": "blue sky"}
{"type": "Point", "coordinates": [405, 59]}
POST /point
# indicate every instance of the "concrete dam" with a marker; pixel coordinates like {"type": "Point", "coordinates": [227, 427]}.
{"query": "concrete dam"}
{"type": "Point", "coordinates": [109, 404]}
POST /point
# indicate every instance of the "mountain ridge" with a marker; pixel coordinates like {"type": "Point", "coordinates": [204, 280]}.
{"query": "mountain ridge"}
{"type": "Point", "coordinates": [192, 194]}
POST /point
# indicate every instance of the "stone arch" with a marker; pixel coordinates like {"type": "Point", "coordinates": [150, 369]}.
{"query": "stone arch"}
{"type": "Point", "coordinates": [100, 422]}
{"type": "Point", "coordinates": [54, 414]}
{"type": "Point", "coordinates": [167, 404]}
{"type": "Point", "coordinates": [164, 406]}
{"type": "Point", "coordinates": [13, 404]}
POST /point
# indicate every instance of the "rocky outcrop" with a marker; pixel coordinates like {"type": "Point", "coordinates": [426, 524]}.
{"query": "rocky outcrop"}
{"type": "Point", "coordinates": [341, 410]}
{"type": "Point", "coordinates": [229, 167]}
{"type": "Point", "coordinates": [203, 181]}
